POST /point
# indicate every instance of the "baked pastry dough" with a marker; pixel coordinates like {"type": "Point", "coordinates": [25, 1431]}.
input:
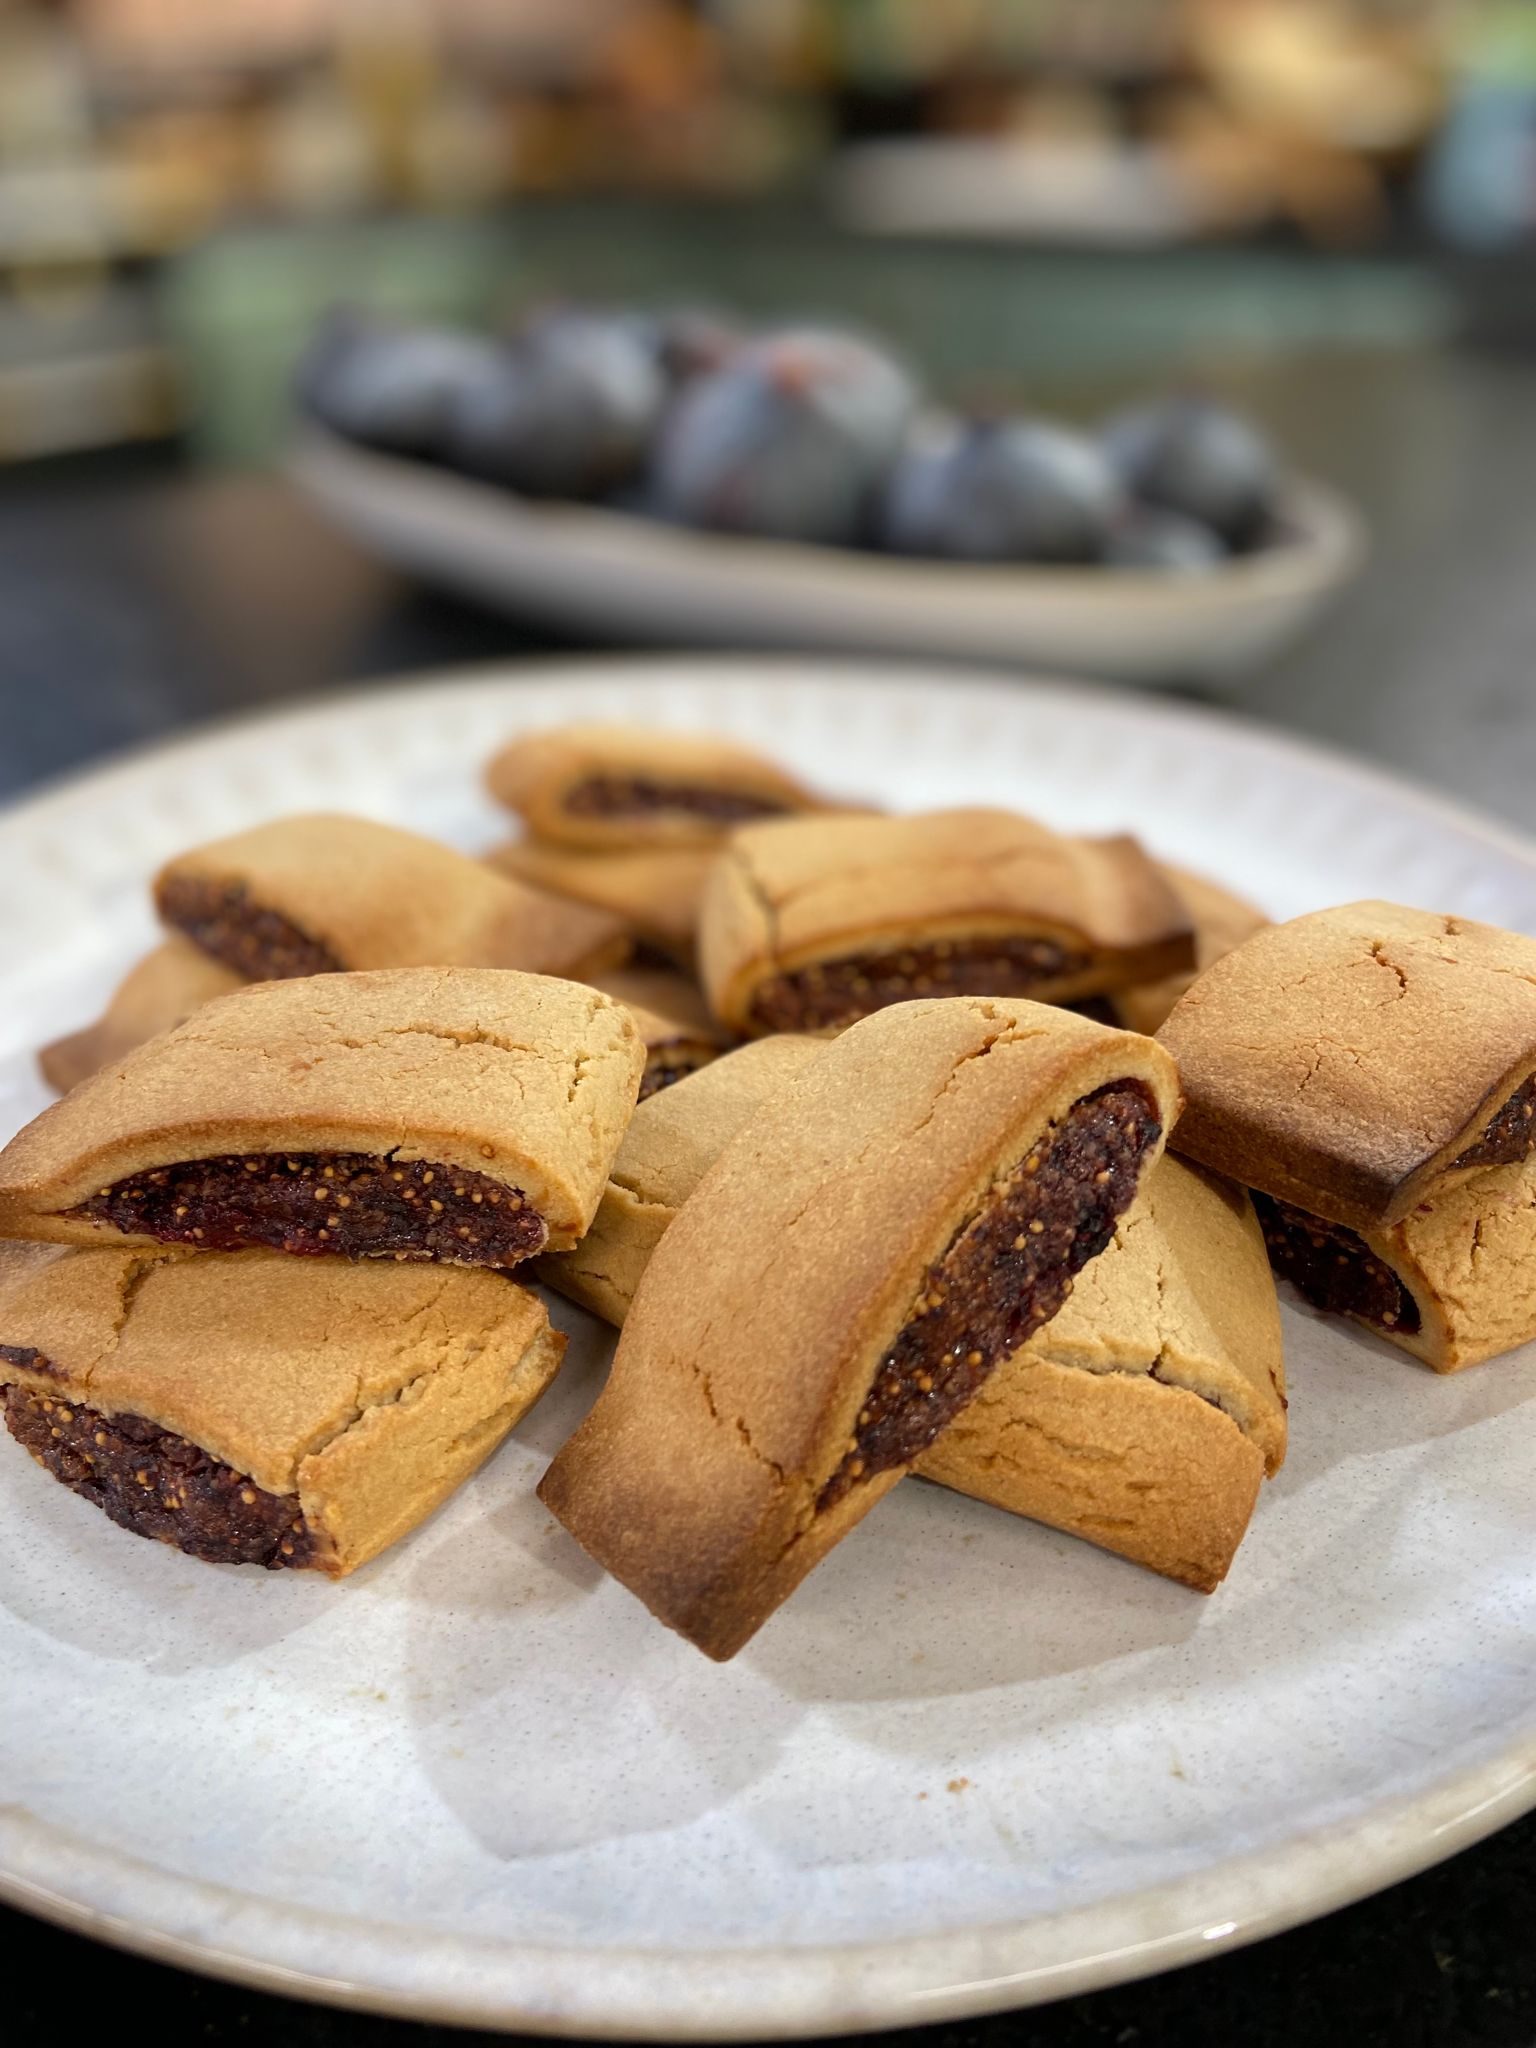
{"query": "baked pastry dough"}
{"type": "Point", "coordinates": [1369, 1071]}
{"type": "Point", "coordinates": [293, 1413]}
{"type": "Point", "coordinates": [1145, 1414]}
{"type": "Point", "coordinates": [1221, 921]}
{"type": "Point", "coordinates": [158, 993]}
{"type": "Point", "coordinates": [870, 1244]}
{"type": "Point", "coordinates": [663, 990]}
{"type": "Point", "coordinates": [655, 890]}
{"type": "Point", "coordinates": [606, 786]}
{"type": "Point", "coordinates": [462, 1114]}
{"type": "Point", "coordinates": [810, 923]}
{"type": "Point", "coordinates": [672, 1141]}
{"type": "Point", "coordinates": [322, 894]}
{"type": "Point", "coordinates": [1142, 1417]}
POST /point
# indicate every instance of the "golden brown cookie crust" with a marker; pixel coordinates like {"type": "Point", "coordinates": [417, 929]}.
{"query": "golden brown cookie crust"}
{"type": "Point", "coordinates": [663, 991]}
{"type": "Point", "coordinates": [753, 1339]}
{"type": "Point", "coordinates": [159, 992]}
{"type": "Point", "coordinates": [655, 891]}
{"type": "Point", "coordinates": [1221, 921]}
{"type": "Point", "coordinates": [374, 896]}
{"type": "Point", "coordinates": [796, 893]}
{"type": "Point", "coordinates": [368, 1391]}
{"type": "Point", "coordinates": [672, 1141]}
{"type": "Point", "coordinates": [1342, 1062]}
{"type": "Point", "coordinates": [527, 1080]}
{"type": "Point", "coordinates": [536, 773]}
{"type": "Point", "coordinates": [1144, 1415]}
{"type": "Point", "coordinates": [1467, 1256]}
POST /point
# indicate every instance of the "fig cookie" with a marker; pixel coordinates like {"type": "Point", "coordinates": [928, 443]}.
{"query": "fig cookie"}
{"type": "Point", "coordinates": [673, 1139]}
{"type": "Point", "coordinates": [894, 1223]}
{"type": "Point", "coordinates": [258, 1409]}
{"type": "Point", "coordinates": [161, 991]}
{"type": "Point", "coordinates": [655, 891]}
{"type": "Point", "coordinates": [1221, 921]}
{"type": "Point", "coordinates": [811, 923]}
{"type": "Point", "coordinates": [465, 1115]}
{"type": "Point", "coordinates": [1142, 1417]}
{"type": "Point", "coordinates": [607, 786]}
{"type": "Point", "coordinates": [1370, 1071]}
{"type": "Point", "coordinates": [329, 894]}
{"type": "Point", "coordinates": [1147, 1412]}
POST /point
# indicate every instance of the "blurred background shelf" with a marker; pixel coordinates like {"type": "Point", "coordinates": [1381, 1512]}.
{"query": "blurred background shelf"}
{"type": "Point", "coordinates": [1025, 193]}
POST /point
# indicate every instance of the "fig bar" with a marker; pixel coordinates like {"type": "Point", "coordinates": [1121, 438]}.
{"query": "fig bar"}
{"type": "Point", "coordinates": [263, 1410]}
{"type": "Point", "coordinates": [323, 895]}
{"type": "Point", "coordinates": [881, 1234]}
{"type": "Point", "coordinates": [1145, 1415]}
{"type": "Point", "coordinates": [1221, 921]}
{"type": "Point", "coordinates": [673, 1139]}
{"type": "Point", "coordinates": [656, 891]}
{"type": "Point", "coordinates": [159, 993]}
{"type": "Point", "coordinates": [607, 786]}
{"type": "Point", "coordinates": [1142, 1417]}
{"type": "Point", "coordinates": [465, 1115]}
{"type": "Point", "coordinates": [811, 923]}
{"type": "Point", "coordinates": [1370, 1072]}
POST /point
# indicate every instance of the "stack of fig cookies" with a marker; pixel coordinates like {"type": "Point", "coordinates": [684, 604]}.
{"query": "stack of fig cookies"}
{"type": "Point", "coordinates": [942, 1144]}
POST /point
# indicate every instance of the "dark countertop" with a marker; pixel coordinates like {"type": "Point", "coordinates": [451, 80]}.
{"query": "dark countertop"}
{"type": "Point", "coordinates": [136, 596]}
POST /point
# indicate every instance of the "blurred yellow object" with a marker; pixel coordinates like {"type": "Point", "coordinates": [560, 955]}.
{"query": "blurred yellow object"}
{"type": "Point", "coordinates": [1316, 68]}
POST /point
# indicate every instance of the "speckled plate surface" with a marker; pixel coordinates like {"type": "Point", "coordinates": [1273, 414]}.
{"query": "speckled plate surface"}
{"type": "Point", "coordinates": [596, 569]}
{"type": "Point", "coordinates": [973, 1763]}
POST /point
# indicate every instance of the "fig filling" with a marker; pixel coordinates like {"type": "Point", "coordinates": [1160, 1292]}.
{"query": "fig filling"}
{"type": "Point", "coordinates": [1511, 1133]}
{"type": "Point", "coordinates": [628, 796]}
{"type": "Point", "coordinates": [359, 1204]}
{"type": "Point", "coordinates": [1333, 1268]}
{"type": "Point", "coordinates": [161, 1485]}
{"type": "Point", "coordinates": [673, 1064]}
{"type": "Point", "coordinates": [1005, 1273]}
{"type": "Point", "coordinates": [833, 993]}
{"type": "Point", "coordinates": [260, 944]}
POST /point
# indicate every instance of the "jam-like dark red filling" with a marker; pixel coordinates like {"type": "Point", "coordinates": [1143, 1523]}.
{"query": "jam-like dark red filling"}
{"type": "Point", "coordinates": [260, 944]}
{"type": "Point", "coordinates": [1333, 1268]}
{"type": "Point", "coordinates": [353, 1203]}
{"type": "Point", "coordinates": [834, 993]}
{"type": "Point", "coordinates": [1510, 1134]}
{"type": "Point", "coordinates": [160, 1485]}
{"type": "Point", "coordinates": [628, 796]}
{"type": "Point", "coordinates": [1004, 1275]}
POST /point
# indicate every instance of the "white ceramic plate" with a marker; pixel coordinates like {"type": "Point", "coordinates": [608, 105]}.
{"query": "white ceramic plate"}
{"type": "Point", "coordinates": [972, 1763]}
{"type": "Point", "coordinates": [603, 571]}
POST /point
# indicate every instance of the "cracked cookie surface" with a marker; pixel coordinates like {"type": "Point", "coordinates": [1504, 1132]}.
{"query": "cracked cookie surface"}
{"type": "Point", "coordinates": [213, 1401]}
{"type": "Point", "coordinates": [759, 1326]}
{"type": "Point", "coordinates": [1144, 1416]}
{"type": "Point", "coordinates": [524, 1081]}
{"type": "Point", "coordinates": [1345, 1062]}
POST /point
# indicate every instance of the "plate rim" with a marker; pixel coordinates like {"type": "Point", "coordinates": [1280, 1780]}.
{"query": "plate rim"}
{"type": "Point", "coordinates": [1127, 1946]}
{"type": "Point", "coordinates": [792, 1990]}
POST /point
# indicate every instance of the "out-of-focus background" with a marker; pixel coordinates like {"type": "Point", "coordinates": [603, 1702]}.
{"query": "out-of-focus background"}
{"type": "Point", "coordinates": [1020, 192]}
{"type": "Point", "coordinates": [1323, 210]}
